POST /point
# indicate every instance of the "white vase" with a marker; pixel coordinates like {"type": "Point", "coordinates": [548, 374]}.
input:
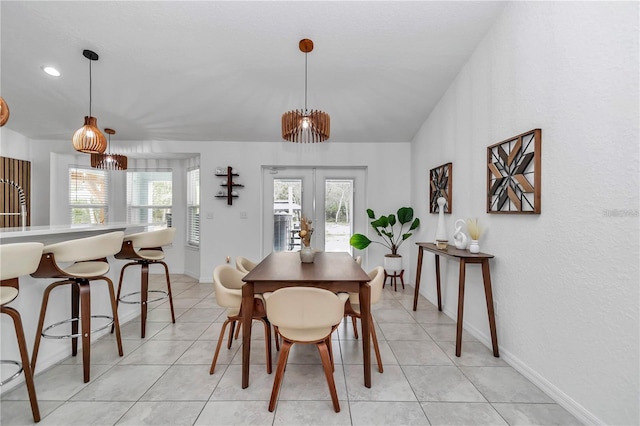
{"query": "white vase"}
{"type": "Point", "coordinates": [441, 230]}
{"type": "Point", "coordinates": [393, 264]}
{"type": "Point", "coordinates": [474, 247]}
{"type": "Point", "coordinates": [307, 254]}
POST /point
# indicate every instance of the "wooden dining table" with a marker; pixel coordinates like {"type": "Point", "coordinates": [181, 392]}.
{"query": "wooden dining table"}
{"type": "Point", "coordinates": [334, 271]}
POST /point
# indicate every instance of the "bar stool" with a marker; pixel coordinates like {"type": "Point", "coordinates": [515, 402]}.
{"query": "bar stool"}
{"type": "Point", "coordinates": [149, 245]}
{"type": "Point", "coordinates": [17, 260]}
{"type": "Point", "coordinates": [89, 257]}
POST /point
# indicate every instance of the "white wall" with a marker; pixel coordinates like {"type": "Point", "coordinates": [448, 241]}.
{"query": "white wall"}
{"type": "Point", "coordinates": [566, 281]}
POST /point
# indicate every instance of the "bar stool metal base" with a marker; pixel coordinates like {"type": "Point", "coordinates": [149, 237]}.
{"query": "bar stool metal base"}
{"type": "Point", "coordinates": [122, 299]}
{"type": "Point", "coordinates": [69, 336]}
{"type": "Point", "coordinates": [14, 375]}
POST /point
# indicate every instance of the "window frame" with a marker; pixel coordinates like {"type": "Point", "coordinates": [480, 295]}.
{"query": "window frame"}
{"type": "Point", "coordinates": [104, 205]}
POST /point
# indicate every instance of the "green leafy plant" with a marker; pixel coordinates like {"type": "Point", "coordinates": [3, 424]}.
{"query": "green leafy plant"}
{"type": "Point", "coordinates": [386, 229]}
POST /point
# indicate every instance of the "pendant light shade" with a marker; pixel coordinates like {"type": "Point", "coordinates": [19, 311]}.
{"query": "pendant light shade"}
{"type": "Point", "coordinates": [88, 138]}
{"type": "Point", "coordinates": [4, 112]}
{"type": "Point", "coordinates": [303, 125]}
{"type": "Point", "coordinates": [109, 161]}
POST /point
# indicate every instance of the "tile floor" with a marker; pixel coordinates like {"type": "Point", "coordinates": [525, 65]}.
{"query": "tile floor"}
{"type": "Point", "coordinates": [164, 379]}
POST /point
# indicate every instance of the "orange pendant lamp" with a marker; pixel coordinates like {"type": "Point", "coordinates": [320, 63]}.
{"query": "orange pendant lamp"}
{"type": "Point", "coordinates": [4, 112]}
{"type": "Point", "coordinates": [303, 125]}
{"type": "Point", "coordinates": [109, 161]}
{"type": "Point", "coordinates": [88, 138]}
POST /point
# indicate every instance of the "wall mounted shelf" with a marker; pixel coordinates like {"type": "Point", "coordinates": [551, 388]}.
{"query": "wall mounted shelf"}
{"type": "Point", "coordinates": [229, 186]}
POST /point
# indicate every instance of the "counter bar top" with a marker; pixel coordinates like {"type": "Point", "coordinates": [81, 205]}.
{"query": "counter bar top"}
{"type": "Point", "coordinates": [49, 234]}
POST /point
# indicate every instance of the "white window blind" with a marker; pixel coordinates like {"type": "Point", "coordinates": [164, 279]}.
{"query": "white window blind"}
{"type": "Point", "coordinates": [193, 207]}
{"type": "Point", "coordinates": [149, 196]}
{"type": "Point", "coordinates": [88, 195]}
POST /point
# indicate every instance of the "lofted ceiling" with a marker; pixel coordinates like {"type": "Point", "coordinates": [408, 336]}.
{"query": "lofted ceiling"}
{"type": "Point", "coordinates": [227, 70]}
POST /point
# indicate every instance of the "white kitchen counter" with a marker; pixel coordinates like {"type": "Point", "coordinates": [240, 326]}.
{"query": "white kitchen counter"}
{"type": "Point", "coordinates": [49, 234]}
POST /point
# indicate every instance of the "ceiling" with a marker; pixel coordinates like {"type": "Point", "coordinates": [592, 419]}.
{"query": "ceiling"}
{"type": "Point", "coordinates": [227, 70]}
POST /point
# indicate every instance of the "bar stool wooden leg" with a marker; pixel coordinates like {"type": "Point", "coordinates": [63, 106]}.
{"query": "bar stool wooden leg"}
{"type": "Point", "coordinates": [26, 365]}
{"type": "Point", "coordinates": [85, 319]}
{"type": "Point", "coordinates": [43, 312]}
{"type": "Point", "coordinates": [166, 273]}
{"type": "Point", "coordinates": [75, 313]}
{"type": "Point", "coordinates": [144, 297]}
{"type": "Point", "coordinates": [114, 310]}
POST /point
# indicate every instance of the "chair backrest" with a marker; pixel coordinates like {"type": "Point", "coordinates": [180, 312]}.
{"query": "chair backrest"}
{"type": "Point", "coordinates": [304, 308]}
{"type": "Point", "coordinates": [244, 265]}
{"type": "Point", "coordinates": [19, 259]}
{"type": "Point", "coordinates": [151, 239]}
{"type": "Point", "coordinates": [227, 284]}
{"type": "Point", "coordinates": [376, 283]}
{"type": "Point", "coordinates": [89, 248]}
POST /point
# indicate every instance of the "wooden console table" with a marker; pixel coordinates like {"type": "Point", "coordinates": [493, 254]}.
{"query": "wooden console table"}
{"type": "Point", "coordinates": [464, 257]}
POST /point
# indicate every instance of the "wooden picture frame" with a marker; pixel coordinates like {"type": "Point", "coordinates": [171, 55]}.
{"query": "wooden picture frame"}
{"type": "Point", "coordinates": [514, 175]}
{"type": "Point", "coordinates": [440, 185]}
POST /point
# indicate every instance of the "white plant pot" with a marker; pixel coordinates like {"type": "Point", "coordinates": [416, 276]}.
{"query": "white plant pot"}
{"type": "Point", "coordinates": [393, 264]}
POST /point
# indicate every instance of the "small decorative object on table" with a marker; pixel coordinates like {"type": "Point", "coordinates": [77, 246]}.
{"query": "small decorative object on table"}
{"type": "Point", "coordinates": [474, 233]}
{"type": "Point", "coordinates": [441, 231]}
{"type": "Point", "coordinates": [459, 237]}
{"type": "Point", "coordinates": [306, 253]}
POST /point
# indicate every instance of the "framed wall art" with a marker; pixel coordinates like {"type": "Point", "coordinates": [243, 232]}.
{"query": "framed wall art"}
{"type": "Point", "coordinates": [513, 174]}
{"type": "Point", "coordinates": [440, 186]}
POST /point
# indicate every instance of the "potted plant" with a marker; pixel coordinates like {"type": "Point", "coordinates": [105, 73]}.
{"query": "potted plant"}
{"type": "Point", "coordinates": [391, 236]}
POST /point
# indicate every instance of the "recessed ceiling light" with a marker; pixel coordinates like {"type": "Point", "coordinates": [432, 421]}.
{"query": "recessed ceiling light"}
{"type": "Point", "coordinates": [51, 71]}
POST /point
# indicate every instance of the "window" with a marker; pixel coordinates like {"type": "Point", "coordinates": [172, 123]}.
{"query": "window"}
{"type": "Point", "coordinates": [88, 195]}
{"type": "Point", "coordinates": [149, 196]}
{"type": "Point", "coordinates": [193, 207]}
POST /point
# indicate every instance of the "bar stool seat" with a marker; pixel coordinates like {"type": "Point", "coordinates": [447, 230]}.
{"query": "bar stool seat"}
{"type": "Point", "coordinates": [17, 260]}
{"type": "Point", "coordinates": [144, 249]}
{"type": "Point", "coordinates": [89, 263]}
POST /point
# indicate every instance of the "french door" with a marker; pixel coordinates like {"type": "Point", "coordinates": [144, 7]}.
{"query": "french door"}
{"type": "Point", "coordinates": [326, 196]}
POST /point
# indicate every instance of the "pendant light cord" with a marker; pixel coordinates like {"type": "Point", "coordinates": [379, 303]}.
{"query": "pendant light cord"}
{"type": "Point", "coordinates": [305, 82]}
{"type": "Point", "coordinates": [89, 87]}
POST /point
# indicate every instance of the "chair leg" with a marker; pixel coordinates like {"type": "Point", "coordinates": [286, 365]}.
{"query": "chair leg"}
{"type": "Point", "coordinates": [267, 342]}
{"type": "Point", "coordinates": [327, 341]}
{"type": "Point", "coordinates": [120, 287]}
{"type": "Point", "coordinates": [238, 330]}
{"type": "Point", "coordinates": [43, 313]}
{"type": "Point", "coordinates": [233, 324]}
{"type": "Point", "coordinates": [166, 274]}
{"type": "Point", "coordinates": [75, 313]}
{"type": "Point", "coordinates": [144, 297]}
{"type": "Point", "coordinates": [277, 338]}
{"type": "Point", "coordinates": [277, 381]}
{"type": "Point", "coordinates": [328, 372]}
{"type": "Point", "coordinates": [355, 326]}
{"type": "Point", "coordinates": [374, 337]}
{"type": "Point", "coordinates": [85, 319]}
{"type": "Point", "coordinates": [401, 278]}
{"type": "Point", "coordinates": [114, 310]}
{"type": "Point", "coordinates": [26, 366]}
{"type": "Point", "coordinates": [220, 338]}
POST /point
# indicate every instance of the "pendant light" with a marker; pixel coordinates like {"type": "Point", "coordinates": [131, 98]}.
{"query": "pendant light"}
{"type": "Point", "coordinates": [109, 161]}
{"type": "Point", "coordinates": [305, 126]}
{"type": "Point", "coordinates": [88, 138]}
{"type": "Point", "coordinates": [4, 112]}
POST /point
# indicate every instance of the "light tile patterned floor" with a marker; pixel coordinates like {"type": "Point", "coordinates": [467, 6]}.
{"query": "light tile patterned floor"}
{"type": "Point", "coordinates": [164, 379]}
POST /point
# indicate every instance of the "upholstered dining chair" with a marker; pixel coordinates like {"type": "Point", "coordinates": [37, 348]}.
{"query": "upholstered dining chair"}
{"type": "Point", "coordinates": [89, 263]}
{"type": "Point", "coordinates": [17, 260]}
{"type": "Point", "coordinates": [305, 315]}
{"type": "Point", "coordinates": [227, 283]}
{"type": "Point", "coordinates": [145, 249]}
{"type": "Point", "coordinates": [352, 308]}
{"type": "Point", "coordinates": [244, 265]}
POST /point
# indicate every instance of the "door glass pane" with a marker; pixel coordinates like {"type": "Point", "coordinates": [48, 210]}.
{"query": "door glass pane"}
{"type": "Point", "coordinates": [338, 214]}
{"type": "Point", "coordinates": [287, 199]}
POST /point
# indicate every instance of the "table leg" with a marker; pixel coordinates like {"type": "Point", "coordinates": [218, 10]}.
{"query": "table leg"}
{"type": "Point", "coordinates": [488, 294]}
{"type": "Point", "coordinates": [416, 292]}
{"type": "Point", "coordinates": [438, 282]}
{"type": "Point", "coordinates": [460, 307]}
{"type": "Point", "coordinates": [365, 312]}
{"type": "Point", "coordinates": [247, 308]}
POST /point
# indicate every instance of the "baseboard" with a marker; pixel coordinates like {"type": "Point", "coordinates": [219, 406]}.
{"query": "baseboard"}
{"type": "Point", "coordinates": [560, 397]}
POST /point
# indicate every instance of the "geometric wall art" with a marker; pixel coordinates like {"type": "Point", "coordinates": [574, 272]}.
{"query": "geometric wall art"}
{"type": "Point", "coordinates": [440, 185]}
{"type": "Point", "coordinates": [513, 174]}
